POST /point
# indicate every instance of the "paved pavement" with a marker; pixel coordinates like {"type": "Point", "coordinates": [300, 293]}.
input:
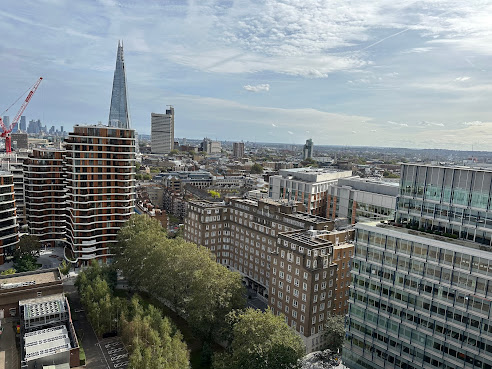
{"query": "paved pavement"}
{"type": "Point", "coordinates": [51, 257]}
{"type": "Point", "coordinates": [95, 358]}
{"type": "Point", "coordinates": [9, 352]}
{"type": "Point", "coordinates": [114, 352]}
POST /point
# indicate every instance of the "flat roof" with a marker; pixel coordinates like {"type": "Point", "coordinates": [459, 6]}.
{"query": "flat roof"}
{"type": "Point", "coordinates": [43, 306]}
{"type": "Point", "coordinates": [463, 246]}
{"type": "Point", "coordinates": [46, 342]}
{"type": "Point", "coordinates": [16, 281]}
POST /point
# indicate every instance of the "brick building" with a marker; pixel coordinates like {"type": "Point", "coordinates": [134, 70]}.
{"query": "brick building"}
{"type": "Point", "coordinates": [283, 254]}
{"type": "Point", "coordinates": [45, 195]}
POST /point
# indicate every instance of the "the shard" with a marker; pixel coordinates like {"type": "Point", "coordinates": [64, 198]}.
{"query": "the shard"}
{"type": "Point", "coordinates": [118, 111]}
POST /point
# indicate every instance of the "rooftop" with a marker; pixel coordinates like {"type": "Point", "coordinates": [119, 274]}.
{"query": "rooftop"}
{"type": "Point", "coordinates": [45, 342]}
{"type": "Point", "coordinates": [310, 174]}
{"type": "Point", "coordinates": [43, 306]}
{"type": "Point", "coordinates": [26, 279]}
{"type": "Point", "coordinates": [472, 248]}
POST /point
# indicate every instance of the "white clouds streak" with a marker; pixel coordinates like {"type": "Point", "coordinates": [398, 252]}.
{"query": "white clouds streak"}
{"type": "Point", "coordinates": [265, 87]}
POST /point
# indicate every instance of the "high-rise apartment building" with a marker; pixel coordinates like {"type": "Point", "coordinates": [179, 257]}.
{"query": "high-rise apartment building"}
{"type": "Point", "coordinates": [285, 255]}
{"type": "Point", "coordinates": [307, 185]}
{"type": "Point", "coordinates": [46, 195]}
{"type": "Point", "coordinates": [100, 164]}
{"type": "Point", "coordinates": [238, 149]}
{"type": "Point", "coordinates": [9, 232]}
{"type": "Point", "coordinates": [82, 195]}
{"type": "Point", "coordinates": [162, 132]}
{"type": "Point", "coordinates": [13, 163]}
{"type": "Point", "coordinates": [307, 151]}
{"type": "Point", "coordinates": [119, 115]}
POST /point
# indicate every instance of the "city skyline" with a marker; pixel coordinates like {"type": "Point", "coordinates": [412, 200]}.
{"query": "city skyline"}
{"type": "Point", "coordinates": [380, 74]}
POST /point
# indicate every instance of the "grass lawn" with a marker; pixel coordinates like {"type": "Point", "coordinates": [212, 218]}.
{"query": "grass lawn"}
{"type": "Point", "coordinates": [194, 344]}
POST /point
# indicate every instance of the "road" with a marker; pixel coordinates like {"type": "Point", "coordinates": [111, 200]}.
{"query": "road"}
{"type": "Point", "coordinates": [95, 359]}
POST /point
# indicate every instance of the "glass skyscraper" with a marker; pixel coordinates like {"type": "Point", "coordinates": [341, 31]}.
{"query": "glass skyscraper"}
{"type": "Point", "coordinates": [118, 111]}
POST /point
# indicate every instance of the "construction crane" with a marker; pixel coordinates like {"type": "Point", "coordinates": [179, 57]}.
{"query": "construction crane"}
{"type": "Point", "coordinates": [7, 130]}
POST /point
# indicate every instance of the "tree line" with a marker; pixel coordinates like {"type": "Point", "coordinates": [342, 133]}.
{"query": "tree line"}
{"type": "Point", "coordinates": [151, 339]}
{"type": "Point", "coordinates": [181, 274]}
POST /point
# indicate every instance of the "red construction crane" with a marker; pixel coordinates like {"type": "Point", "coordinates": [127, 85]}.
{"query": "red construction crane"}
{"type": "Point", "coordinates": [6, 131]}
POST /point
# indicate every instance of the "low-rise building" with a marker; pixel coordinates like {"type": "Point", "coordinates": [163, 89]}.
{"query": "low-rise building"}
{"type": "Point", "coordinates": [21, 286]}
{"type": "Point", "coordinates": [307, 185]}
{"type": "Point", "coordinates": [47, 333]}
{"type": "Point", "coordinates": [360, 199]}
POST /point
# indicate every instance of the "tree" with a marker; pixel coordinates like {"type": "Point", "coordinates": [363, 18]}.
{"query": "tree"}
{"type": "Point", "coordinates": [334, 332]}
{"type": "Point", "coordinates": [261, 340]}
{"type": "Point", "coordinates": [256, 169]}
{"type": "Point", "coordinates": [25, 263]}
{"type": "Point", "coordinates": [28, 245]}
{"type": "Point", "coordinates": [214, 194]}
{"type": "Point", "coordinates": [65, 267]}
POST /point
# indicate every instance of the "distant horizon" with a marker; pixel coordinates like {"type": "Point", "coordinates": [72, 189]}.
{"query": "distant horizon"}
{"type": "Point", "coordinates": [376, 74]}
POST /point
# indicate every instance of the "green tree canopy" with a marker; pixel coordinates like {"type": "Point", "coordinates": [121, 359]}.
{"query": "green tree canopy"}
{"type": "Point", "coordinates": [28, 245]}
{"type": "Point", "coordinates": [261, 340]}
{"type": "Point", "coordinates": [256, 169]}
{"type": "Point", "coordinates": [180, 272]}
{"type": "Point", "coordinates": [334, 331]}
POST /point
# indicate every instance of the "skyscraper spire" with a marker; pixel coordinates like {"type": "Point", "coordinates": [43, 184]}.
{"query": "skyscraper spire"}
{"type": "Point", "coordinates": [118, 111]}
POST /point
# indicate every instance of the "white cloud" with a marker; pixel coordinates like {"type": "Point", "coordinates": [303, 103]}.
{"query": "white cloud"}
{"type": "Point", "coordinates": [274, 125]}
{"type": "Point", "coordinates": [290, 132]}
{"type": "Point", "coordinates": [397, 124]}
{"type": "Point", "coordinates": [473, 123]}
{"type": "Point", "coordinates": [425, 123]}
{"type": "Point", "coordinates": [417, 50]}
{"type": "Point", "coordinates": [462, 79]}
{"type": "Point", "coordinates": [257, 88]}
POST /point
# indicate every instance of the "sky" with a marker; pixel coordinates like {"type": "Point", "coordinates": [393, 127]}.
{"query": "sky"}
{"type": "Point", "coordinates": [343, 72]}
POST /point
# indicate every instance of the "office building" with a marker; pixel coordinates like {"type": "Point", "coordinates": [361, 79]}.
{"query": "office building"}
{"type": "Point", "coordinates": [418, 301]}
{"type": "Point", "coordinates": [100, 168]}
{"type": "Point", "coordinates": [34, 127]}
{"type": "Point", "coordinates": [176, 181]}
{"type": "Point", "coordinates": [307, 151]}
{"type": "Point", "coordinates": [285, 255]}
{"type": "Point", "coordinates": [422, 286]}
{"type": "Point", "coordinates": [22, 124]}
{"type": "Point", "coordinates": [361, 199]}
{"type": "Point", "coordinates": [9, 229]}
{"type": "Point", "coordinates": [238, 149]}
{"type": "Point", "coordinates": [210, 147]}
{"type": "Point", "coordinates": [118, 111]}
{"type": "Point", "coordinates": [307, 185]}
{"type": "Point", "coordinates": [162, 132]}
{"type": "Point", "coordinates": [46, 195]}
{"type": "Point", "coordinates": [453, 200]}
